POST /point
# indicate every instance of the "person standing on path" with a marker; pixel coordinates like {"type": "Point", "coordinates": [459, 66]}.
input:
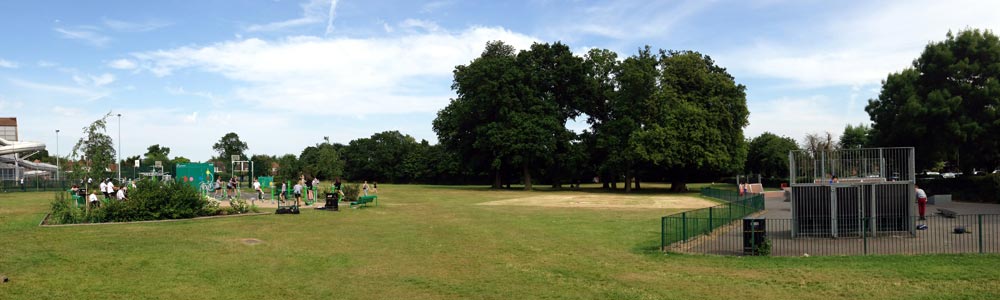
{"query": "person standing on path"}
{"type": "Point", "coordinates": [365, 187]}
{"type": "Point", "coordinates": [921, 201]}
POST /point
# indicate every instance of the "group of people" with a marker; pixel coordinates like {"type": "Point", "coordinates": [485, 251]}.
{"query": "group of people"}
{"type": "Point", "coordinates": [306, 188]}
{"type": "Point", "coordinates": [107, 188]}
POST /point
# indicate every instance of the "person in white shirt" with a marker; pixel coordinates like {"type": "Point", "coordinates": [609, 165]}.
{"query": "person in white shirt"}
{"type": "Point", "coordinates": [256, 187]}
{"type": "Point", "coordinates": [93, 199]}
{"type": "Point", "coordinates": [104, 189]}
{"type": "Point", "coordinates": [121, 193]}
{"type": "Point", "coordinates": [921, 201]}
{"type": "Point", "coordinates": [111, 189]}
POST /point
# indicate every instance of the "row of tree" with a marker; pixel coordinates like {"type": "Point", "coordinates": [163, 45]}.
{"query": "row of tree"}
{"type": "Point", "coordinates": [670, 114]}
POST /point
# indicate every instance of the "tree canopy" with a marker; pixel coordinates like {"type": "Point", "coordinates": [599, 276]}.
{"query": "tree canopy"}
{"type": "Point", "coordinates": [946, 104]}
{"type": "Point", "coordinates": [229, 145]}
{"type": "Point", "coordinates": [768, 154]}
{"type": "Point", "coordinates": [95, 148]}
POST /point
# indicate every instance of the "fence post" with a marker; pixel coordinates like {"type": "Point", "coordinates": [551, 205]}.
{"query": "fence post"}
{"type": "Point", "coordinates": [684, 226]}
{"type": "Point", "coordinates": [864, 234]}
{"type": "Point", "coordinates": [710, 221]}
{"type": "Point", "coordinates": [980, 230]}
{"type": "Point", "coordinates": [663, 233]}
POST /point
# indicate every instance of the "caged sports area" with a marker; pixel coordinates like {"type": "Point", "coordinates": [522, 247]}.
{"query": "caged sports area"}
{"type": "Point", "coordinates": [840, 202]}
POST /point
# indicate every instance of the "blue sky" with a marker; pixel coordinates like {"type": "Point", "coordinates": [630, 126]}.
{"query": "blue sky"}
{"type": "Point", "coordinates": [284, 74]}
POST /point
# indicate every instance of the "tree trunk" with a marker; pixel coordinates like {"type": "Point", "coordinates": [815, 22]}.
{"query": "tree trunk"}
{"type": "Point", "coordinates": [636, 179]}
{"type": "Point", "coordinates": [679, 185]}
{"type": "Point", "coordinates": [604, 184]}
{"type": "Point", "coordinates": [496, 181]}
{"type": "Point", "coordinates": [527, 178]}
{"type": "Point", "coordinates": [628, 181]}
{"type": "Point", "coordinates": [614, 184]}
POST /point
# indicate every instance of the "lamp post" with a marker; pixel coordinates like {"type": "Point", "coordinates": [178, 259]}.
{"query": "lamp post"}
{"type": "Point", "coordinates": [119, 161]}
{"type": "Point", "coordinates": [57, 155]}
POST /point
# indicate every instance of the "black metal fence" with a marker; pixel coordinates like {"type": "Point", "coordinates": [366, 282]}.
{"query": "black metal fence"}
{"type": "Point", "coordinates": [936, 234]}
{"type": "Point", "coordinates": [683, 226]}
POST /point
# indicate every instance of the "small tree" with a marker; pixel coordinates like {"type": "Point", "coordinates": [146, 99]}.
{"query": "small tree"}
{"type": "Point", "coordinates": [96, 149]}
{"type": "Point", "coordinates": [229, 145]}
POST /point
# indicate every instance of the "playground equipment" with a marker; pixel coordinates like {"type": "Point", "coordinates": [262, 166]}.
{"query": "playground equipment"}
{"type": "Point", "coordinates": [852, 192]}
{"type": "Point", "coordinates": [289, 205]}
{"type": "Point", "coordinates": [199, 175]}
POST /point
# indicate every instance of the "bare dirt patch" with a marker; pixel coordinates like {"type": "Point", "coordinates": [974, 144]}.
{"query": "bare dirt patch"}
{"type": "Point", "coordinates": [607, 201]}
{"type": "Point", "coordinates": [251, 241]}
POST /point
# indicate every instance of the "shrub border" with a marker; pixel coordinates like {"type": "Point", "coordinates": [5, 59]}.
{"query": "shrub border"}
{"type": "Point", "coordinates": [44, 220]}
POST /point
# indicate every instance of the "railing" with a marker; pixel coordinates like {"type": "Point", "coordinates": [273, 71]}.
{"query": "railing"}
{"type": "Point", "coordinates": [936, 234]}
{"type": "Point", "coordinates": [32, 185]}
{"type": "Point", "coordinates": [683, 226]}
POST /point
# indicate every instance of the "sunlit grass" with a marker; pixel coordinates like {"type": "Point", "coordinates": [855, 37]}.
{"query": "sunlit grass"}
{"type": "Point", "coordinates": [432, 242]}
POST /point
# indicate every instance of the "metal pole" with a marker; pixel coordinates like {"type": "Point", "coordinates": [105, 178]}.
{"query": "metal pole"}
{"type": "Point", "coordinates": [118, 160]}
{"type": "Point", "coordinates": [57, 155]}
{"type": "Point", "coordinates": [980, 230]}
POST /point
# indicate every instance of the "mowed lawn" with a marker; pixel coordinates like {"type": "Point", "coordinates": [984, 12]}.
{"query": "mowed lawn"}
{"type": "Point", "coordinates": [431, 242]}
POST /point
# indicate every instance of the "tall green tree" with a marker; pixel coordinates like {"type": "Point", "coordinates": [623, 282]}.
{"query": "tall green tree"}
{"type": "Point", "coordinates": [768, 154]}
{"type": "Point", "coordinates": [855, 137]}
{"type": "Point", "coordinates": [475, 124]}
{"type": "Point", "coordinates": [947, 104]}
{"type": "Point", "coordinates": [262, 164]}
{"type": "Point", "coordinates": [96, 149]}
{"type": "Point", "coordinates": [289, 169]}
{"type": "Point", "coordinates": [603, 144]}
{"type": "Point", "coordinates": [694, 124]}
{"type": "Point", "coordinates": [229, 145]}
{"type": "Point", "coordinates": [322, 161]}
{"type": "Point", "coordinates": [379, 157]}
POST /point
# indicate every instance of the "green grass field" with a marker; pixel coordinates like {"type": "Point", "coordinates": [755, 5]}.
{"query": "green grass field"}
{"type": "Point", "coordinates": [431, 242]}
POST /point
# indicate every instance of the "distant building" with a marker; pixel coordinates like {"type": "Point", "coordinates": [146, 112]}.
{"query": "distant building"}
{"type": "Point", "coordinates": [8, 131]}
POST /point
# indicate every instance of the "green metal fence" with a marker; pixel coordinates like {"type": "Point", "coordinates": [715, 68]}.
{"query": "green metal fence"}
{"type": "Point", "coordinates": [935, 235]}
{"type": "Point", "coordinates": [683, 226]}
{"type": "Point", "coordinates": [35, 185]}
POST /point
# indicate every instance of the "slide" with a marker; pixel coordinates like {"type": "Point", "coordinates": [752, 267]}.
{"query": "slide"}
{"type": "Point", "coordinates": [9, 147]}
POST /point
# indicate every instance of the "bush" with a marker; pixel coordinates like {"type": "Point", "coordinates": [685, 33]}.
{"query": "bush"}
{"type": "Point", "coordinates": [351, 191]}
{"type": "Point", "coordinates": [150, 200]}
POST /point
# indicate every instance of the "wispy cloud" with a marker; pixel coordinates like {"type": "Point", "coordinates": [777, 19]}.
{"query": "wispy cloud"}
{"type": "Point", "coordinates": [433, 6]}
{"type": "Point", "coordinates": [313, 12]}
{"type": "Point", "coordinates": [126, 26]}
{"type": "Point", "coordinates": [860, 46]}
{"type": "Point", "coordinates": [7, 64]}
{"type": "Point", "coordinates": [122, 64]}
{"type": "Point", "coordinates": [331, 16]}
{"type": "Point", "coordinates": [631, 20]}
{"type": "Point", "coordinates": [86, 94]}
{"type": "Point", "coordinates": [7, 105]}
{"type": "Point", "coordinates": [88, 35]}
{"type": "Point", "coordinates": [359, 76]}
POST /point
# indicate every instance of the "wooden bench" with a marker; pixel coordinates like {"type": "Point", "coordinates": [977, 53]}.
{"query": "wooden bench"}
{"type": "Point", "coordinates": [947, 213]}
{"type": "Point", "coordinates": [364, 200]}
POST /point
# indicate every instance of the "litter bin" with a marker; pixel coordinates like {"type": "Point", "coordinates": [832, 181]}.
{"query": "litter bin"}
{"type": "Point", "coordinates": [331, 202]}
{"type": "Point", "coordinates": [754, 234]}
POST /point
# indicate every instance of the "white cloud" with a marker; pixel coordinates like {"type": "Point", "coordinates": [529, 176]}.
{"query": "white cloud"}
{"type": "Point", "coordinates": [122, 64]}
{"type": "Point", "coordinates": [86, 94]}
{"type": "Point", "coordinates": [313, 12]}
{"type": "Point", "coordinates": [796, 117]}
{"type": "Point", "coordinates": [68, 112]}
{"type": "Point", "coordinates": [343, 76]}
{"type": "Point", "coordinates": [433, 6]}
{"type": "Point", "coordinates": [7, 105]}
{"type": "Point", "coordinates": [419, 24]}
{"type": "Point", "coordinates": [46, 64]}
{"type": "Point", "coordinates": [861, 46]}
{"type": "Point", "coordinates": [125, 26]}
{"type": "Point", "coordinates": [622, 20]}
{"type": "Point", "coordinates": [85, 34]}
{"type": "Point", "coordinates": [102, 80]}
{"type": "Point", "coordinates": [216, 101]}
{"type": "Point", "coordinates": [7, 64]}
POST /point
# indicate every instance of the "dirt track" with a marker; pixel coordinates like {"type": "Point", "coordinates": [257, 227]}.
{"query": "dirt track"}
{"type": "Point", "coordinates": [607, 201]}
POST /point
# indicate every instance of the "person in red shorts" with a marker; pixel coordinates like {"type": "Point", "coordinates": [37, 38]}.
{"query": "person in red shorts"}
{"type": "Point", "coordinates": [921, 201]}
